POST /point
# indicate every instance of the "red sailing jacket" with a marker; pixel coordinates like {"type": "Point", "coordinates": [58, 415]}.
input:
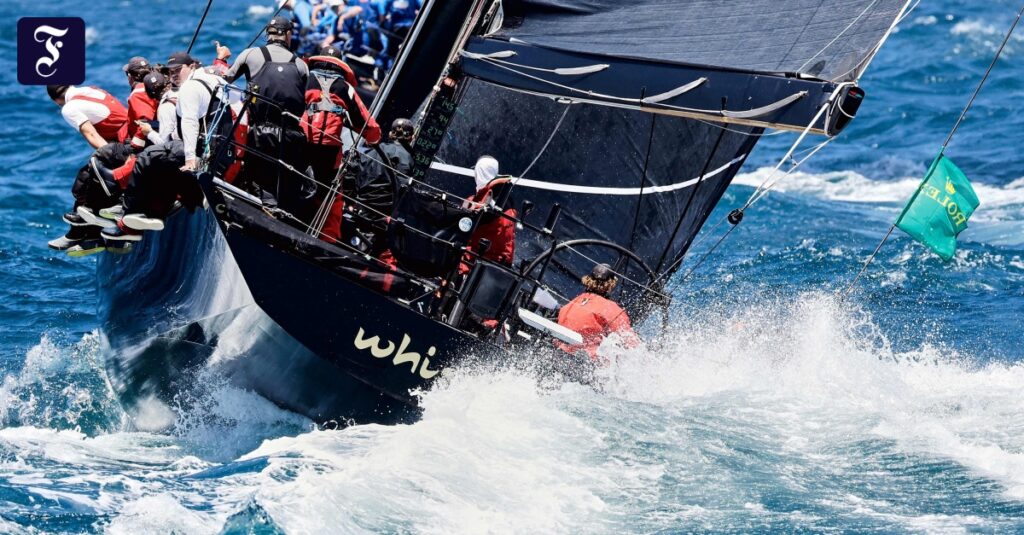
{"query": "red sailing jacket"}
{"type": "Point", "coordinates": [140, 107]}
{"type": "Point", "coordinates": [500, 231]}
{"type": "Point", "coordinates": [323, 127]}
{"type": "Point", "coordinates": [115, 126]}
{"type": "Point", "coordinates": [594, 318]}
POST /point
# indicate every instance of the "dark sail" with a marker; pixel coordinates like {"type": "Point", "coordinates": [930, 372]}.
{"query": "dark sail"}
{"type": "Point", "coordinates": [826, 39]}
{"type": "Point", "coordinates": [620, 175]}
{"type": "Point", "coordinates": [617, 108]}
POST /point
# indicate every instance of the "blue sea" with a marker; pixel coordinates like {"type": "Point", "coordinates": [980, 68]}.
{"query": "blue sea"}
{"type": "Point", "coordinates": [770, 405]}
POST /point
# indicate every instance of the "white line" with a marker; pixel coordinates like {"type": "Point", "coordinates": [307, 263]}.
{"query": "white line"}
{"type": "Point", "coordinates": [592, 190]}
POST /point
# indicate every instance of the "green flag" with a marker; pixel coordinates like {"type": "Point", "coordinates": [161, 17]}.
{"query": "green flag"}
{"type": "Point", "coordinates": [940, 207]}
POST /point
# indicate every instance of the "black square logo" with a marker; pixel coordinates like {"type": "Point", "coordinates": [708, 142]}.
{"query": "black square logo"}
{"type": "Point", "coordinates": [51, 51]}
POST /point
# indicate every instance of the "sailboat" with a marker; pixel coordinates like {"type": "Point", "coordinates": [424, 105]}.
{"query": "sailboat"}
{"type": "Point", "coordinates": [620, 126]}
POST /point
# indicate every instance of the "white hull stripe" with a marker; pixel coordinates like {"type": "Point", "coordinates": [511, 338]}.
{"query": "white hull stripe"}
{"type": "Point", "coordinates": [591, 190]}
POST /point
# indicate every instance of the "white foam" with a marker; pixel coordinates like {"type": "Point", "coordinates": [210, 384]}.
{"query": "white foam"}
{"type": "Point", "coordinates": [850, 186]}
{"type": "Point", "coordinates": [818, 371]}
{"type": "Point", "coordinates": [979, 28]}
{"type": "Point", "coordinates": [797, 395]}
{"type": "Point", "coordinates": [256, 11]}
{"type": "Point", "coordinates": [159, 514]}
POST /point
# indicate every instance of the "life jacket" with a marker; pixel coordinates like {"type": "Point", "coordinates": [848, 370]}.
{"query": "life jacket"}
{"type": "Point", "coordinates": [498, 230]}
{"type": "Point", "coordinates": [241, 135]}
{"type": "Point", "coordinates": [115, 126]}
{"type": "Point", "coordinates": [208, 118]}
{"type": "Point", "coordinates": [332, 103]}
{"type": "Point", "coordinates": [140, 107]}
{"type": "Point", "coordinates": [594, 317]}
{"type": "Point", "coordinates": [281, 83]}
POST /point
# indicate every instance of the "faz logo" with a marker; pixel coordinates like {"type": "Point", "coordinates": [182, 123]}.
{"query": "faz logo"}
{"type": "Point", "coordinates": [51, 51]}
{"type": "Point", "coordinates": [419, 364]}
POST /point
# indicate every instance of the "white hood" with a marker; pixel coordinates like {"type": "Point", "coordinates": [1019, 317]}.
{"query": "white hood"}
{"type": "Point", "coordinates": [485, 171]}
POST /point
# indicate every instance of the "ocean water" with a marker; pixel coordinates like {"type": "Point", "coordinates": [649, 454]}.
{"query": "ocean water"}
{"type": "Point", "coordinates": [770, 405]}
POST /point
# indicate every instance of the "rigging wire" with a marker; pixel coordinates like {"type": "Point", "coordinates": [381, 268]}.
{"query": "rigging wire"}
{"type": "Point", "coordinates": [199, 27]}
{"type": "Point", "coordinates": [863, 63]}
{"type": "Point", "coordinates": [548, 142]}
{"type": "Point", "coordinates": [840, 34]}
{"type": "Point", "coordinates": [736, 216]}
{"type": "Point", "coordinates": [942, 149]}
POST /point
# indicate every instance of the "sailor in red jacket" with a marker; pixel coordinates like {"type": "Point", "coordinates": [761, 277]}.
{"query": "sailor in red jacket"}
{"type": "Point", "coordinates": [140, 106]}
{"type": "Point", "coordinates": [499, 231]}
{"type": "Point", "coordinates": [594, 316]}
{"type": "Point", "coordinates": [103, 121]}
{"type": "Point", "coordinates": [332, 106]}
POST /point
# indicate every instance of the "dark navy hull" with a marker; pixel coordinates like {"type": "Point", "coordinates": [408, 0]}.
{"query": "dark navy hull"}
{"type": "Point", "coordinates": [176, 307]}
{"type": "Point", "coordinates": [380, 351]}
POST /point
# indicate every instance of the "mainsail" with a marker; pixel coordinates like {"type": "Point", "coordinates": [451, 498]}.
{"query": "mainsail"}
{"type": "Point", "coordinates": [634, 117]}
{"type": "Point", "coordinates": [825, 39]}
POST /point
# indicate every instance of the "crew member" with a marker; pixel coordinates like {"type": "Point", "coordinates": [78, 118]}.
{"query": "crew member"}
{"type": "Point", "coordinates": [331, 105]}
{"type": "Point", "coordinates": [334, 115]}
{"type": "Point", "coordinates": [101, 119]}
{"type": "Point", "coordinates": [163, 173]}
{"type": "Point", "coordinates": [499, 230]}
{"type": "Point", "coordinates": [279, 77]}
{"type": "Point", "coordinates": [159, 88]}
{"type": "Point", "coordinates": [399, 147]}
{"type": "Point", "coordinates": [594, 316]}
{"type": "Point", "coordinates": [140, 106]}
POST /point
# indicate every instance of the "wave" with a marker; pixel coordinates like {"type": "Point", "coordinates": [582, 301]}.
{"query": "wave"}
{"type": "Point", "coordinates": [999, 220]}
{"type": "Point", "coordinates": [850, 186]}
{"type": "Point", "coordinates": [979, 28]}
{"type": "Point", "coordinates": [796, 414]}
{"type": "Point", "coordinates": [61, 388]}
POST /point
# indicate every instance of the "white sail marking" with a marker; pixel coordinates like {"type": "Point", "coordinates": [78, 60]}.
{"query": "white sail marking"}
{"type": "Point", "coordinates": [592, 190]}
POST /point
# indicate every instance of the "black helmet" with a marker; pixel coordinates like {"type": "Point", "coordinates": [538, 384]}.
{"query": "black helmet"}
{"type": "Point", "coordinates": [56, 91]}
{"type": "Point", "coordinates": [155, 83]}
{"type": "Point", "coordinates": [602, 272]}
{"type": "Point", "coordinates": [332, 51]}
{"type": "Point", "coordinates": [279, 26]}
{"type": "Point", "coordinates": [402, 129]}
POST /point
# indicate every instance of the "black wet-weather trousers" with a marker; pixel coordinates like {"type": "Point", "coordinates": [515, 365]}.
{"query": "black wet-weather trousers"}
{"type": "Point", "coordinates": [87, 189]}
{"type": "Point", "coordinates": [156, 182]}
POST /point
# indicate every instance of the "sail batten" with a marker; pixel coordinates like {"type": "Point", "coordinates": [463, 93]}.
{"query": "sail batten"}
{"type": "Point", "coordinates": [828, 39]}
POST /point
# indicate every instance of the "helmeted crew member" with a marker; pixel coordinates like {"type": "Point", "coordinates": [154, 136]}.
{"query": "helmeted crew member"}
{"type": "Point", "coordinates": [399, 147]}
{"type": "Point", "coordinates": [593, 315]}
{"type": "Point", "coordinates": [334, 116]}
{"type": "Point", "coordinates": [101, 119]}
{"type": "Point", "coordinates": [140, 106]}
{"type": "Point", "coordinates": [331, 105]}
{"type": "Point", "coordinates": [278, 75]}
{"type": "Point", "coordinates": [499, 231]}
{"type": "Point", "coordinates": [159, 88]}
